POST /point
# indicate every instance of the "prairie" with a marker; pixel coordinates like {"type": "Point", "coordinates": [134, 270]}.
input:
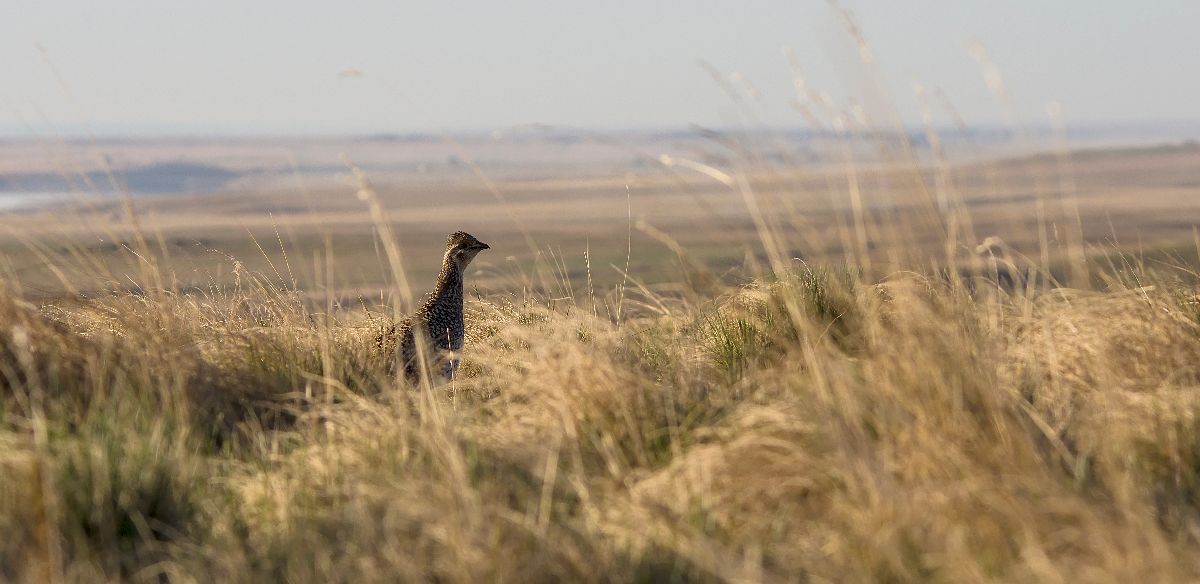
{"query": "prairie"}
{"type": "Point", "coordinates": [976, 372]}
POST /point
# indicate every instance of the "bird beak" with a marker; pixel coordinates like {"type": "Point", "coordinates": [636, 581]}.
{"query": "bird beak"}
{"type": "Point", "coordinates": [483, 246]}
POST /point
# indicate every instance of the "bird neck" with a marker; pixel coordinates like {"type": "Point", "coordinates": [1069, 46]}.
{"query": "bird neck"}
{"type": "Point", "coordinates": [449, 282]}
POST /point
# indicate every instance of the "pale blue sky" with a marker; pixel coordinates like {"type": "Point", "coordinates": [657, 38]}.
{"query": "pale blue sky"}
{"type": "Point", "coordinates": [272, 65]}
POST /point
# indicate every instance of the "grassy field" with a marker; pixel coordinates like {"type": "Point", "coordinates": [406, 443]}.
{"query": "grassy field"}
{"type": "Point", "coordinates": [1040, 206]}
{"type": "Point", "coordinates": [785, 385]}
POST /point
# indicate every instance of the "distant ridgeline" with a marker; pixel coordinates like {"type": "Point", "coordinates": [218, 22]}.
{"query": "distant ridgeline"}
{"type": "Point", "coordinates": [163, 178]}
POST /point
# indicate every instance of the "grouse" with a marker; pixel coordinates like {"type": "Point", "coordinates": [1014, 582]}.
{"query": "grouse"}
{"type": "Point", "coordinates": [438, 323]}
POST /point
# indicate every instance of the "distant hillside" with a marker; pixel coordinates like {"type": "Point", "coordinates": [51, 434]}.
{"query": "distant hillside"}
{"type": "Point", "coordinates": [162, 178]}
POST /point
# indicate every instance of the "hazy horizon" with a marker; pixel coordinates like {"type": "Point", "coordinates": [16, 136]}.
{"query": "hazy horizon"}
{"type": "Point", "coordinates": [1150, 128]}
{"type": "Point", "coordinates": [305, 68]}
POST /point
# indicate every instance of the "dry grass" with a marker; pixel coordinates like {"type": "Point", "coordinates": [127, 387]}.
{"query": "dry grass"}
{"type": "Point", "coordinates": [816, 425]}
{"type": "Point", "coordinates": [904, 407]}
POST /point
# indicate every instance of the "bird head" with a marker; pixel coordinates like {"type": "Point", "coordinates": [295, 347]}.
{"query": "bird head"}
{"type": "Point", "coordinates": [462, 247]}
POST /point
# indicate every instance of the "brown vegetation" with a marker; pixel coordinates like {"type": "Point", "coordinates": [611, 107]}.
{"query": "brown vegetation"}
{"type": "Point", "coordinates": [813, 425]}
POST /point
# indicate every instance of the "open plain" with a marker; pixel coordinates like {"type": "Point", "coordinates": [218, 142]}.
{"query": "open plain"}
{"type": "Point", "coordinates": [595, 212]}
{"type": "Point", "coordinates": [724, 367]}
